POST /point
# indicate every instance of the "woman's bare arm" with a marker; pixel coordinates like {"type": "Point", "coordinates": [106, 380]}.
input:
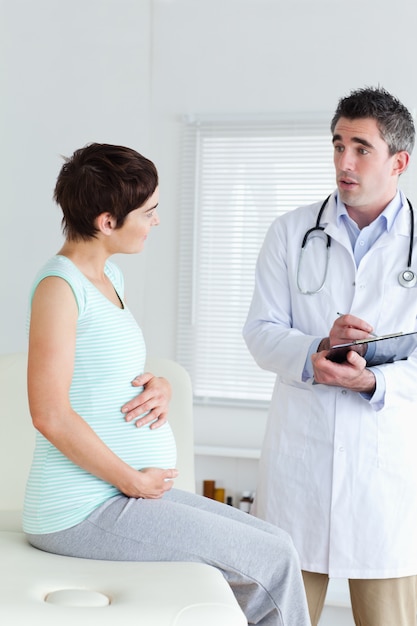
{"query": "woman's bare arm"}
{"type": "Point", "coordinates": [50, 369]}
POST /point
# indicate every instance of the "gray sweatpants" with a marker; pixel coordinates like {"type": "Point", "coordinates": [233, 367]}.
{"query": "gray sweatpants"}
{"type": "Point", "coordinates": [257, 559]}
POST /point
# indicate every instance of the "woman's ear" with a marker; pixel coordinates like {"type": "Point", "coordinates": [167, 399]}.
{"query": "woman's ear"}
{"type": "Point", "coordinates": [105, 223]}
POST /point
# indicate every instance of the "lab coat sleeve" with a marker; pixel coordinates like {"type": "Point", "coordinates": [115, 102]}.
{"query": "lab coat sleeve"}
{"type": "Point", "coordinates": [269, 333]}
{"type": "Point", "coordinates": [376, 399]}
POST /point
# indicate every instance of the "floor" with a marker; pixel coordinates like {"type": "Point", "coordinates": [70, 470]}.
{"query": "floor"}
{"type": "Point", "coordinates": [336, 616]}
{"type": "Point", "coordinates": [337, 611]}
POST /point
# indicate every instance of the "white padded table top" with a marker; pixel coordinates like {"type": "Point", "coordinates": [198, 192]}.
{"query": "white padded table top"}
{"type": "Point", "coordinates": [83, 591]}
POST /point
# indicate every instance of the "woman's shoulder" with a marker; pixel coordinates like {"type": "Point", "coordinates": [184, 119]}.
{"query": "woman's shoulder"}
{"type": "Point", "coordinates": [62, 267]}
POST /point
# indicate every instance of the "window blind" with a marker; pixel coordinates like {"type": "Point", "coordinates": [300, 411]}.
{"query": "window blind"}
{"type": "Point", "coordinates": [237, 177]}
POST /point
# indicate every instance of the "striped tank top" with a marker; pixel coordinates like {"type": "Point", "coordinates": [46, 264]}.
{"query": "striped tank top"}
{"type": "Point", "coordinates": [110, 353]}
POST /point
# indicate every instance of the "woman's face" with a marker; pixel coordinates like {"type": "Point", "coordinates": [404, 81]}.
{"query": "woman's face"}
{"type": "Point", "coordinates": [131, 237]}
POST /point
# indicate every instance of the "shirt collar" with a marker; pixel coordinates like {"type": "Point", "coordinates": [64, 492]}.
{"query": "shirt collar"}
{"type": "Point", "coordinates": [387, 216]}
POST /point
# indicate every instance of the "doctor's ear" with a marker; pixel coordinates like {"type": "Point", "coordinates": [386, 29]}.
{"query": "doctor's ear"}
{"type": "Point", "coordinates": [401, 160]}
{"type": "Point", "coordinates": [105, 223]}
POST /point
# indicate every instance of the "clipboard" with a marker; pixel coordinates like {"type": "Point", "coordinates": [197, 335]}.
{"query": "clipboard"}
{"type": "Point", "coordinates": [377, 350]}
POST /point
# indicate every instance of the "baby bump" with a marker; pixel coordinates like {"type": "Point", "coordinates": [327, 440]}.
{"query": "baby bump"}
{"type": "Point", "coordinates": [143, 446]}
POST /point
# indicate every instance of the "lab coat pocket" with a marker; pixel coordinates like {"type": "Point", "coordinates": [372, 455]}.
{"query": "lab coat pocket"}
{"type": "Point", "coordinates": [397, 437]}
{"type": "Point", "coordinates": [293, 408]}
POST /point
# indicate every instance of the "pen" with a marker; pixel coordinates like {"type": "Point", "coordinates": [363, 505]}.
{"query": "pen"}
{"type": "Point", "coordinates": [340, 314]}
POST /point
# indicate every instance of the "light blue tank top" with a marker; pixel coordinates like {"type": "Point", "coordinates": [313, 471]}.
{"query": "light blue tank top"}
{"type": "Point", "coordinates": [110, 353]}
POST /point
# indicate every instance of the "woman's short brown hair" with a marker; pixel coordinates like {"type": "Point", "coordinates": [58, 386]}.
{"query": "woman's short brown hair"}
{"type": "Point", "coordinates": [101, 178]}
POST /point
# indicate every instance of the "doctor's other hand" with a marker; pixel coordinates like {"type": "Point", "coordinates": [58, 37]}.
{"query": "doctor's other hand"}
{"type": "Point", "coordinates": [152, 403]}
{"type": "Point", "coordinates": [352, 374]}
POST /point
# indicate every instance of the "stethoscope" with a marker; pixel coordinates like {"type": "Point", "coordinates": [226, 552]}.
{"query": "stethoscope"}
{"type": "Point", "coordinates": [407, 278]}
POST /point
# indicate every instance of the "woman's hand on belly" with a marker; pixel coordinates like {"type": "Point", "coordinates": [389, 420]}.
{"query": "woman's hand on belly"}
{"type": "Point", "coordinates": [150, 483]}
{"type": "Point", "coordinates": [152, 404]}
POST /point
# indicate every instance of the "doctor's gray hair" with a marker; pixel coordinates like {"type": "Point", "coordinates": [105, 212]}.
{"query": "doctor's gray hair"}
{"type": "Point", "coordinates": [394, 120]}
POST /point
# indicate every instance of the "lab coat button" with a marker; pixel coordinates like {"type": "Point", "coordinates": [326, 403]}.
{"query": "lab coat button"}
{"type": "Point", "coordinates": [344, 392]}
{"type": "Point", "coordinates": [341, 449]}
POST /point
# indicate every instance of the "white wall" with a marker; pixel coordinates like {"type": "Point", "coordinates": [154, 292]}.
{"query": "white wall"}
{"type": "Point", "coordinates": [72, 73]}
{"type": "Point", "coordinates": [126, 71]}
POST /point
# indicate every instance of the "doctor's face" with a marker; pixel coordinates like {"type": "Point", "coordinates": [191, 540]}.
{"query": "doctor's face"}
{"type": "Point", "coordinates": [366, 174]}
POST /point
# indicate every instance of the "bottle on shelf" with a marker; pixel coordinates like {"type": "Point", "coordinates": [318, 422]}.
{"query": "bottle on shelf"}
{"type": "Point", "coordinates": [246, 501]}
{"type": "Point", "coordinates": [219, 494]}
{"type": "Point", "coordinates": [209, 487]}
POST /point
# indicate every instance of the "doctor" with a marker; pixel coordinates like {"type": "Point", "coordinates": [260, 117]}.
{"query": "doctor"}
{"type": "Point", "coordinates": [338, 469]}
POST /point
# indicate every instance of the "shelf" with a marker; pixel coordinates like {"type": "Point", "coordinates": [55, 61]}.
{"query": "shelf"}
{"type": "Point", "coordinates": [237, 453]}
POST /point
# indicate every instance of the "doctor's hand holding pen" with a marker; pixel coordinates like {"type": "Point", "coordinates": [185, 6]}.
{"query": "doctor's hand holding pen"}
{"type": "Point", "coordinates": [346, 328]}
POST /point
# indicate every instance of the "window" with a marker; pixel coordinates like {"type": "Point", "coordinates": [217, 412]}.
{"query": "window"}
{"type": "Point", "coordinates": [238, 176]}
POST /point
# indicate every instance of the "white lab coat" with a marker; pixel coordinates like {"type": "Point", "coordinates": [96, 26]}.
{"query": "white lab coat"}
{"type": "Point", "coordinates": [337, 473]}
